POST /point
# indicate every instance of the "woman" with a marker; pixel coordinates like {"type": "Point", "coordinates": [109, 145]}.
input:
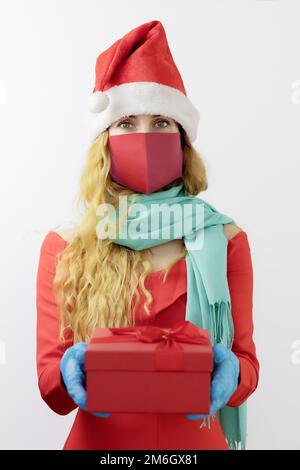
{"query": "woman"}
{"type": "Point", "coordinates": [143, 126]}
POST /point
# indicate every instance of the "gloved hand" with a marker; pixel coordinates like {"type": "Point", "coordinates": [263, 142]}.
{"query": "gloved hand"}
{"type": "Point", "coordinates": [224, 379]}
{"type": "Point", "coordinates": [73, 374]}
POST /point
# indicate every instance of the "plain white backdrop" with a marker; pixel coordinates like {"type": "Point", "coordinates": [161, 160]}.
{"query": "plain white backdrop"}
{"type": "Point", "coordinates": [239, 60]}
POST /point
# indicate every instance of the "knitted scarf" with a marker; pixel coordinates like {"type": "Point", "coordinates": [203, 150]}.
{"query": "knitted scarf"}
{"type": "Point", "coordinates": [208, 297]}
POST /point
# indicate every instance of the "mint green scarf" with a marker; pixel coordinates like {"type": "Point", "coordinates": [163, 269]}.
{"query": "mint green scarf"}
{"type": "Point", "coordinates": [208, 297]}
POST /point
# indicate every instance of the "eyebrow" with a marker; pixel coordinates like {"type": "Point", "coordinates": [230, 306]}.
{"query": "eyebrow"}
{"type": "Point", "coordinates": [134, 116]}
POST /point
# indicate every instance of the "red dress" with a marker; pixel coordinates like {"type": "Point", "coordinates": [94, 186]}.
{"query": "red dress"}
{"type": "Point", "coordinates": [146, 431]}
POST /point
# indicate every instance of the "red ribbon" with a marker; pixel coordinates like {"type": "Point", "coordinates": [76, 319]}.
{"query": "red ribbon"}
{"type": "Point", "coordinates": [169, 353]}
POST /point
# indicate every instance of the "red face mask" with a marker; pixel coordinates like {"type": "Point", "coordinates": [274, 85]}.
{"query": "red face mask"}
{"type": "Point", "coordinates": [145, 161]}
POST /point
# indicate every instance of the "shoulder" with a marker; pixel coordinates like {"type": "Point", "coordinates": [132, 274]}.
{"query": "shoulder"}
{"type": "Point", "coordinates": [230, 230]}
{"type": "Point", "coordinates": [66, 232]}
{"type": "Point", "coordinates": [57, 239]}
{"type": "Point", "coordinates": [51, 247]}
{"type": "Point", "coordinates": [238, 249]}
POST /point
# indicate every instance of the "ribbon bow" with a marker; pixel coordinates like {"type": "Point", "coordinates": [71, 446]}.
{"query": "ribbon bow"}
{"type": "Point", "coordinates": [183, 332]}
{"type": "Point", "coordinates": [169, 352]}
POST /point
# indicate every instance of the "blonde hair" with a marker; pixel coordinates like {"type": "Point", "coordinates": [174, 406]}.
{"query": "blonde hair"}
{"type": "Point", "coordinates": [97, 282]}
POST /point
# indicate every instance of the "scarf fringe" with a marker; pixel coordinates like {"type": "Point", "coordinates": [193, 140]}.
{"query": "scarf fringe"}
{"type": "Point", "coordinates": [232, 443]}
{"type": "Point", "coordinates": [221, 324]}
{"type": "Point", "coordinates": [235, 445]}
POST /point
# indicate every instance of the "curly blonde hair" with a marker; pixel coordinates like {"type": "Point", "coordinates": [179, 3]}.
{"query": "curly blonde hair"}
{"type": "Point", "coordinates": [97, 282]}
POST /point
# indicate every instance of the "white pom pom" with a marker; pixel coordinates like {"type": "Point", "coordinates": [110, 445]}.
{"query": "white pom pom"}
{"type": "Point", "coordinates": [98, 102]}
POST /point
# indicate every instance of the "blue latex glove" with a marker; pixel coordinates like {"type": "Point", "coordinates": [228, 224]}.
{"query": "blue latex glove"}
{"type": "Point", "coordinates": [73, 374]}
{"type": "Point", "coordinates": [224, 379]}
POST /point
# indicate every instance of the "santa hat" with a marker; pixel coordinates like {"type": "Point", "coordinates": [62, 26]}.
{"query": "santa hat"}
{"type": "Point", "coordinates": [137, 75]}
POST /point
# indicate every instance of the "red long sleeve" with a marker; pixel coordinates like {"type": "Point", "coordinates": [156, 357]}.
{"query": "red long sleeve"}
{"type": "Point", "coordinates": [240, 281]}
{"type": "Point", "coordinates": [49, 348]}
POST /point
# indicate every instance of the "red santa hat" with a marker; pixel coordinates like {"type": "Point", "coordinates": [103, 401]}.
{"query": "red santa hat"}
{"type": "Point", "coordinates": [137, 75]}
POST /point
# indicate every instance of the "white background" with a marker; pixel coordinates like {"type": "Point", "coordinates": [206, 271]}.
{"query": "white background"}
{"type": "Point", "coordinates": [239, 60]}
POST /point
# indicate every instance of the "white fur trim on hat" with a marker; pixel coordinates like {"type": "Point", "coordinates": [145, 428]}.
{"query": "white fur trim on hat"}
{"type": "Point", "coordinates": [140, 98]}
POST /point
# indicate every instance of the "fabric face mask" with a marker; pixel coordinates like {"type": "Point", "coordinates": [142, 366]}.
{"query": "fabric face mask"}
{"type": "Point", "coordinates": [145, 161]}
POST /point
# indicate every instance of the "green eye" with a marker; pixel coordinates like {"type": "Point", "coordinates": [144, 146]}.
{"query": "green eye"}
{"type": "Point", "coordinates": [124, 124]}
{"type": "Point", "coordinates": [164, 121]}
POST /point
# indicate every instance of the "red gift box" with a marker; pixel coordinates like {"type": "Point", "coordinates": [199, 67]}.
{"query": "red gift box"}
{"type": "Point", "coordinates": [148, 369]}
